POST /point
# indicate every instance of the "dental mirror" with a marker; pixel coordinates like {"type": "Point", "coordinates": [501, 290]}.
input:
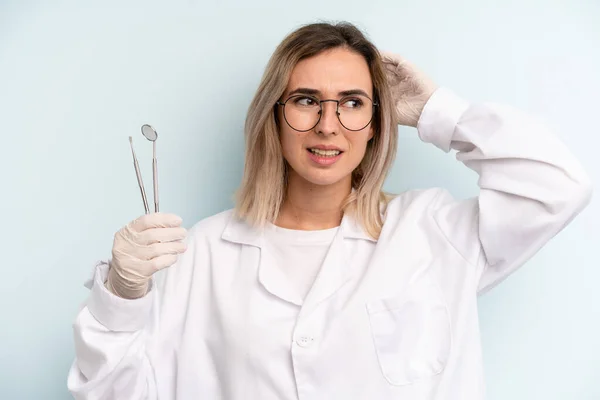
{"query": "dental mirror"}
{"type": "Point", "coordinates": [150, 133]}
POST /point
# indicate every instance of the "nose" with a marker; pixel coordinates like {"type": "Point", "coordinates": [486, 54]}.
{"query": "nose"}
{"type": "Point", "coordinates": [329, 124]}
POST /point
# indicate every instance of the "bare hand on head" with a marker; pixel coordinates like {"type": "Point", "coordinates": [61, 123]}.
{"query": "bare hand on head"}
{"type": "Point", "coordinates": [411, 88]}
{"type": "Point", "coordinates": [141, 248]}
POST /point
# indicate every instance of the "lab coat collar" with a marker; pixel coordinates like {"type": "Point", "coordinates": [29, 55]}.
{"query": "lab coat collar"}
{"type": "Point", "coordinates": [334, 272]}
{"type": "Point", "coordinates": [239, 231]}
{"type": "Point", "coordinates": [352, 229]}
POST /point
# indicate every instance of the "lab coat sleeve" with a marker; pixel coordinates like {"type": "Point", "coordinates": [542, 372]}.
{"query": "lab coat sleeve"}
{"type": "Point", "coordinates": [530, 185]}
{"type": "Point", "coordinates": [116, 340]}
{"type": "Point", "coordinates": [110, 345]}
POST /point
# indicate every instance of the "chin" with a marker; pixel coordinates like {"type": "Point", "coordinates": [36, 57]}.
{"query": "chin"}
{"type": "Point", "coordinates": [324, 178]}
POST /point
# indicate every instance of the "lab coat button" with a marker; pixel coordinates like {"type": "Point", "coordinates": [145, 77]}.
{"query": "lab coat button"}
{"type": "Point", "coordinates": [305, 341]}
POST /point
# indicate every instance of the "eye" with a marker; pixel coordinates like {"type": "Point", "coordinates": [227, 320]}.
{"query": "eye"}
{"type": "Point", "coordinates": [305, 101]}
{"type": "Point", "coordinates": [352, 103]}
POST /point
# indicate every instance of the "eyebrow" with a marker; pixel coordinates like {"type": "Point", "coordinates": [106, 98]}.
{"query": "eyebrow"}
{"type": "Point", "coordinates": [316, 92]}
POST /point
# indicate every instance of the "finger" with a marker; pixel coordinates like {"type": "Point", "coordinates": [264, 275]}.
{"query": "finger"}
{"type": "Point", "coordinates": [398, 64]}
{"type": "Point", "coordinates": [163, 261]}
{"type": "Point", "coordinates": [159, 249]}
{"type": "Point", "coordinates": [161, 235]}
{"type": "Point", "coordinates": [156, 220]}
{"type": "Point", "coordinates": [388, 56]}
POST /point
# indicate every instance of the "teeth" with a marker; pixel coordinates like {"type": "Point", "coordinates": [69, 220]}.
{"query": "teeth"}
{"type": "Point", "coordinates": [325, 153]}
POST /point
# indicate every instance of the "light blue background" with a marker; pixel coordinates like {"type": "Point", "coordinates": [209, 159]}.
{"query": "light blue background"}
{"type": "Point", "coordinates": [76, 80]}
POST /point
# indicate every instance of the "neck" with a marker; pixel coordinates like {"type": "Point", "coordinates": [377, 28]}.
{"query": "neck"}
{"type": "Point", "coordinates": [313, 207]}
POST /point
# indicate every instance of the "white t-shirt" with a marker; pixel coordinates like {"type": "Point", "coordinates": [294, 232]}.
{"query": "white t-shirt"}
{"type": "Point", "coordinates": [299, 253]}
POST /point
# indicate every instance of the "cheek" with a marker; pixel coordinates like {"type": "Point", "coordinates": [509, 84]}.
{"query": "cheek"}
{"type": "Point", "coordinates": [291, 143]}
{"type": "Point", "coordinates": [358, 143]}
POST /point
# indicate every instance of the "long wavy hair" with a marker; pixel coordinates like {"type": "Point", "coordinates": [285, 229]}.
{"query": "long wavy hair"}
{"type": "Point", "coordinates": [264, 184]}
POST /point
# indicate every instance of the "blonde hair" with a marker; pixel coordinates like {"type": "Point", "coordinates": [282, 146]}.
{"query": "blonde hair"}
{"type": "Point", "coordinates": [264, 182]}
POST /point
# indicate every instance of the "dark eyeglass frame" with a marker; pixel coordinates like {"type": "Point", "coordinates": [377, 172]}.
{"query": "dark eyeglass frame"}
{"type": "Point", "coordinates": [337, 111]}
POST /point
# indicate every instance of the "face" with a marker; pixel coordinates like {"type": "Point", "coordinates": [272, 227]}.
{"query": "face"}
{"type": "Point", "coordinates": [328, 153]}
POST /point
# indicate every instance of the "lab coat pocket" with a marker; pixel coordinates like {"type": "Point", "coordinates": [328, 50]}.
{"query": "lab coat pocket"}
{"type": "Point", "coordinates": [411, 333]}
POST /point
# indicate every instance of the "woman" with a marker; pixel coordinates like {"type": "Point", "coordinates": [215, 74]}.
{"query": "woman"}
{"type": "Point", "coordinates": [317, 286]}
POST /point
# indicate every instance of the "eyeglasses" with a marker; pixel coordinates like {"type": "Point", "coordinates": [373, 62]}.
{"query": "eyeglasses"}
{"type": "Point", "coordinates": [302, 112]}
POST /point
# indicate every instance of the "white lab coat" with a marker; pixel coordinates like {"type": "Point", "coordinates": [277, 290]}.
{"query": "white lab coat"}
{"type": "Point", "coordinates": [389, 319]}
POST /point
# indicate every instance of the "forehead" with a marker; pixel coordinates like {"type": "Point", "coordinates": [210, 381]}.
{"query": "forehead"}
{"type": "Point", "coordinates": [332, 72]}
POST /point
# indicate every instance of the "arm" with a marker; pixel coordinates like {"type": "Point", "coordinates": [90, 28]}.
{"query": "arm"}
{"type": "Point", "coordinates": [110, 335]}
{"type": "Point", "coordinates": [121, 343]}
{"type": "Point", "coordinates": [531, 186]}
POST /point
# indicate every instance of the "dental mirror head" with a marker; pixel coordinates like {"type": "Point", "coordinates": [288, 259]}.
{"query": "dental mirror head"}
{"type": "Point", "coordinates": [149, 132]}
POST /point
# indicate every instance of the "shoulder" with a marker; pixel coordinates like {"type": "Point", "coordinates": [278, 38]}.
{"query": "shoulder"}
{"type": "Point", "coordinates": [418, 201]}
{"type": "Point", "coordinates": [224, 227]}
{"type": "Point", "coordinates": [436, 210]}
{"type": "Point", "coordinates": [212, 226]}
{"type": "Point", "coordinates": [435, 204]}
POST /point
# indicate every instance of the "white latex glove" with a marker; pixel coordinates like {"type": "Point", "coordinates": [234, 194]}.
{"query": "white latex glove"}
{"type": "Point", "coordinates": [411, 88]}
{"type": "Point", "coordinates": [141, 248]}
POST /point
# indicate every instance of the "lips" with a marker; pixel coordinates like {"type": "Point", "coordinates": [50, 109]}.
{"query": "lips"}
{"type": "Point", "coordinates": [324, 157]}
